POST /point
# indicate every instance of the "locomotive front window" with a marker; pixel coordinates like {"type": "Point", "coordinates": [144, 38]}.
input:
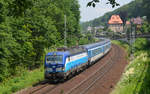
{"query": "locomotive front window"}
{"type": "Point", "coordinates": [54, 58]}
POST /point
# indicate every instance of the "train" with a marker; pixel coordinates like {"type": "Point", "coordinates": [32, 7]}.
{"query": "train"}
{"type": "Point", "coordinates": [64, 62]}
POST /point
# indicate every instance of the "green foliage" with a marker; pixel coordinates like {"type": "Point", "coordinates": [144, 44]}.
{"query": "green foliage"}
{"type": "Point", "coordinates": [141, 44]}
{"type": "Point", "coordinates": [28, 27]}
{"type": "Point", "coordinates": [146, 8]}
{"type": "Point", "coordinates": [109, 30]}
{"type": "Point", "coordinates": [27, 78]}
{"type": "Point", "coordinates": [18, 7]}
{"type": "Point", "coordinates": [136, 78]}
{"type": "Point", "coordinates": [145, 27]}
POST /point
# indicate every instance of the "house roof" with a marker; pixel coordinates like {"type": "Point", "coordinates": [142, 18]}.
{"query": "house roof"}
{"type": "Point", "coordinates": [128, 23]}
{"type": "Point", "coordinates": [137, 20]}
{"type": "Point", "coordinates": [115, 19]}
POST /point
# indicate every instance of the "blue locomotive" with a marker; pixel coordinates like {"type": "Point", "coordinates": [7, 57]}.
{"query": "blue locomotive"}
{"type": "Point", "coordinates": [65, 62]}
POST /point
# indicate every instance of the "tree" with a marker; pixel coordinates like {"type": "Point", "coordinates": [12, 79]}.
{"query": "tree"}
{"type": "Point", "coordinates": [18, 7]}
{"type": "Point", "coordinates": [27, 27]}
{"type": "Point", "coordinates": [112, 2]}
{"type": "Point", "coordinates": [145, 28]}
{"type": "Point", "coordinates": [146, 8]}
{"type": "Point", "coordinates": [1, 16]}
{"type": "Point", "coordinates": [123, 15]}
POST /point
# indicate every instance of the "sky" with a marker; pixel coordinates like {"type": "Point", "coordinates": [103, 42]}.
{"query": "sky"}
{"type": "Point", "coordinates": [89, 13]}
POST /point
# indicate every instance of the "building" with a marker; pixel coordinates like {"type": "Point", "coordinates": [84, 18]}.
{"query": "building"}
{"type": "Point", "coordinates": [127, 25]}
{"type": "Point", "coordinates": [137, 21]}
{"type": "Point", "coordinates": [115, 24]}
{"type": "Point", "coordinates": [89, 28]}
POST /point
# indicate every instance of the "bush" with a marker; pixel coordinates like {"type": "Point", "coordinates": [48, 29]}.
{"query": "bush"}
{"type": "Point", "coordinates": [141, 44]}
{"type": "Point", "coordinates": [27, 32]}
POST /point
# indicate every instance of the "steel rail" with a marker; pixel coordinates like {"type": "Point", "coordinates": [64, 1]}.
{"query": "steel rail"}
{"type": "Point", "coordinates": [99, 77]}
{"type": "Point", "coordinates": [49, 89]}
{"type": "Point", "coordinates": [99, 71]}
{"type": "Point", "coordinates": [38, 89]}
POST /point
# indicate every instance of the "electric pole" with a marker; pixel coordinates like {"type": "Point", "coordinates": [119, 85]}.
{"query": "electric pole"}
{"type": "Point", "coordinates": [65, 33]}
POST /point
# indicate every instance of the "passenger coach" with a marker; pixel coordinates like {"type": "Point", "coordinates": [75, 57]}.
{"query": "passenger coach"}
{"type": "Point", "coordinates": [97, 50]}
{"type": "Point", "coordinates": [61, 64]}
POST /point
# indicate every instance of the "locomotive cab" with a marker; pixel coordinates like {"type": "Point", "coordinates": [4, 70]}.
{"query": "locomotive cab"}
{"type": "Point", "coordinates": [54, 65]}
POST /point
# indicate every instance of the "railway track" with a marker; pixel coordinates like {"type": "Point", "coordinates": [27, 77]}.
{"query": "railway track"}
{"type": "Point", "coordinates": [38, 90]}
{"type": "Point", "coordinates": [76, 85]}
{"type": "Point", "coordinates": [86, 84]}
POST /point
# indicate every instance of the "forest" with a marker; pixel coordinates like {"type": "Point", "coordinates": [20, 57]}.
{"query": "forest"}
{"type": "Point", "coordinates": [27, 27]}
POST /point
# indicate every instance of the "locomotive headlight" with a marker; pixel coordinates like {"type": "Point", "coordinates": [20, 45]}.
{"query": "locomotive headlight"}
{"type": "Point", "coordinates": [49, 69]}
{"type": "Point", "coordinates": [47, 62]}
{"type": "Point", "coordinates": [58, 69]}
{"type": "Point", "coordinates": [63, 68]}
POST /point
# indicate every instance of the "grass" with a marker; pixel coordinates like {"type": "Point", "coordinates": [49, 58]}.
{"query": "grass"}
{"type": "Point", "coordinates": [122, 44]}
{"type": "Point", "coordinates": [26, 79]}
{"type": "Point", "coordinates": [136, 78]}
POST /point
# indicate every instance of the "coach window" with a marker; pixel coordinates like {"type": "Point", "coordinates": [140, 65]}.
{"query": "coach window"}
{"type": "Point", "coordinates": [100, 50]}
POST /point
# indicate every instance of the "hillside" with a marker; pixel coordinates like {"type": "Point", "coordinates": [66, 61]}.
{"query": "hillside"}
{"type": "Point", "coordinates": [133, 9]}
{"type": "Point", "coordinates": [27, 31]}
